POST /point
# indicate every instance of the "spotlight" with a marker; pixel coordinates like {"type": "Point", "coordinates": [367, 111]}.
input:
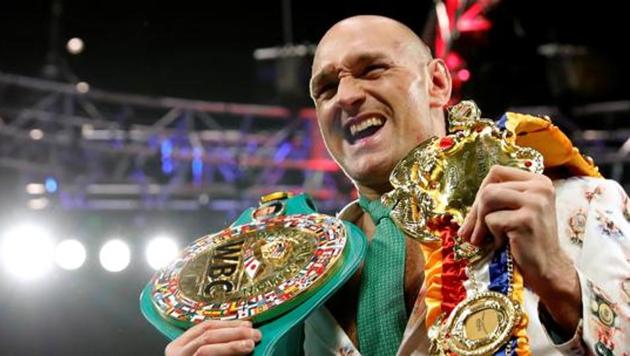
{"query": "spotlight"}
{"type": "Point", "coordinates": [35, 188]}
{"type": "Point", "coordinates": [115, 255]}
{"type": "Point", "coordinates": [160, 251]}
{"type": "Point", "coordinates": [37, 203]}
{"type": "Point", "coordinates": [82, 87]}
{"type": "Point", "coordinates": [75, 45]}
{"type": "Point", "coordinates": [51, 185]}
{"type": "Point", "coordinates": [36, 134]}
{"type": "Point", "coordinates": [27, 252]}
{"type": "Point", "coordinates": [463, 74]}
{"type": "Point", "coordinates": [70, 254]}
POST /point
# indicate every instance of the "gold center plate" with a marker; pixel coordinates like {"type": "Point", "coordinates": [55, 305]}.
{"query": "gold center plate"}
{"type": "Point", "coordinates": [255, 271]}
{"type": "Point", "coordinates": [480, 325]}
{"type": "Point", "coordinates": [254, 263]}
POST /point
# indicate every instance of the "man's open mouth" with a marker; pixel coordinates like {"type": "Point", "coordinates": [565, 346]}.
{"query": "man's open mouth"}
{"type": "Point", "coordinates": [358, 129]}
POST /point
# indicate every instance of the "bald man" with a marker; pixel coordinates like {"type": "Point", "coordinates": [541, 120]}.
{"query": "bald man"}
{"type": "Point", "coordinates": [379, 93]}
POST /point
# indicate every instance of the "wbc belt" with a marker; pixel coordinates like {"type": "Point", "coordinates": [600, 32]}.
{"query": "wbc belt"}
{"type": "Point", "coordinates": [273, 266]}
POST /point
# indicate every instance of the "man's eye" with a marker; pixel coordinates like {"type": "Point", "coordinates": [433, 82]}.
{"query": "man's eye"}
{"type": "Point", "coordinates": [373, 70]}
{"type": "Point", "coordinates": [326, 90]}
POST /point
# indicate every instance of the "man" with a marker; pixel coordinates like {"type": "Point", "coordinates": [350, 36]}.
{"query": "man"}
{"type": "Point", "coordinates": [378, 94]}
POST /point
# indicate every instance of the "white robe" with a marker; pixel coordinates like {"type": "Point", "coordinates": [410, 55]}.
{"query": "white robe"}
{"type": "Point", "coordinates": [593, 229]}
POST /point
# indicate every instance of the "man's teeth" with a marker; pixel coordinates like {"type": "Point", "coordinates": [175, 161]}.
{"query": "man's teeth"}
{"type": "Point", "coordinates": [358, 127]}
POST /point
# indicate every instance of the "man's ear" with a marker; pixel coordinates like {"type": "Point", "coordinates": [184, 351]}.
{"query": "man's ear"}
{"type": "Point", "coordinates": [440, 83]}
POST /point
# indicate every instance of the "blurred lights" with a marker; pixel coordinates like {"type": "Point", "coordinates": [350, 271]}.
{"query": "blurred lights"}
{"type": "Point", "coordinates": [82, 87]}
{"type": "Point", "coordinates": [35, 188]}
{"type": "Point", "coordinates": [283, 52]}
{"type": "Point", "coordinates": [37, 203]}
{"type": "Point", "coordinates": [203, 199]}
{"type": "Point", "coordinates": [454, 61]}
{"type": "Point", "coordinates": [160, 251]}
{"type": "Point", "coordinates": [36, 134]}
{"type": "Point", "coordinates": [51, 185]}
{"type": "Point", "coordinates": [27, 252]}
{"type": "Point", "coordinates": [87, 130]}
{"type": "Point", "coordinates": [70, 254]}
{"type": "Point", "coordinates": [463, 75]}
{"type": "Point", "coordinates": [115, 255]}
{"type": "Point", "coordinates": [75, 45]}
{"type": "Point", "coordinates": [166, 149]}
{"type": "Point", "coordinates": [197, 165]}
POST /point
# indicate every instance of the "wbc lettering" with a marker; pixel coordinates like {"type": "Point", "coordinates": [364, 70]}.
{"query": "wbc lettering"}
{"type": "Point", "coordinates": [222, 265]}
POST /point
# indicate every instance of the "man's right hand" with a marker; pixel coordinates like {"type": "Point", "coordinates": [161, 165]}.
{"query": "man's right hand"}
{"type": "Point", "coordinates": [215, 337]}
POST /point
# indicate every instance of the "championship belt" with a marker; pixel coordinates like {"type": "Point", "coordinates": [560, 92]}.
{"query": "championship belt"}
{"type": "Point", "coordinates": [474, 295]}
{"type": "Point", "coordinates": [276, 264]}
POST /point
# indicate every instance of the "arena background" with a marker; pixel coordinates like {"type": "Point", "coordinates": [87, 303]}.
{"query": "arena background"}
{"type": "Point", "coordinates": [142, 120]}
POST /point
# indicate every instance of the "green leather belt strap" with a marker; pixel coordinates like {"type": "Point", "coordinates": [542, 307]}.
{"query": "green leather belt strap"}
{"type": "Point", "coordinates": [283, 335]}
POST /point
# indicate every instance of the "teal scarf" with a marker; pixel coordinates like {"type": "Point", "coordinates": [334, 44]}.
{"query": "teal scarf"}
{"type": "Point", "coordinates": [381, 315]}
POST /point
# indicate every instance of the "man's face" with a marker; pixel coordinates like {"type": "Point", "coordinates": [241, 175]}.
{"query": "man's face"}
{"type": "Point", "coordinates": [370, 90]}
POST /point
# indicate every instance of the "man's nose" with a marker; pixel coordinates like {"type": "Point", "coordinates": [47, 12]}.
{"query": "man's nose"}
{"type": "Point", "coordinates": [350, 94]}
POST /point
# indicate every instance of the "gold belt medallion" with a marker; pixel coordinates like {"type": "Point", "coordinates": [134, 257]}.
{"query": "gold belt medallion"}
{"type": "Point", "coordinates": [480, 325]}
{"type": "Point", "coordinates": [255, 271]}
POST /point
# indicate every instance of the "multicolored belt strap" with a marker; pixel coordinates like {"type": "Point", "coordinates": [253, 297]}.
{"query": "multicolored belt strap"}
{"type": "Point", "coordinates": [474, 295]}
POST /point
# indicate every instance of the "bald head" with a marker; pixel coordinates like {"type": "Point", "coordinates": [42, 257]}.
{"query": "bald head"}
{"type": "Point", "coordinates": [400, 36]}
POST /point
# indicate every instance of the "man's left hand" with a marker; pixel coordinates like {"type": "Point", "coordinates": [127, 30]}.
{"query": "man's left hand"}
{"type": "Point", "coordinates": [519, 206]}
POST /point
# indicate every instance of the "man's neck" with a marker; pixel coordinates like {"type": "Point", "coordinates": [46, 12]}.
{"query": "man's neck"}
{"type": "Point", "coordinates": [373, 192]}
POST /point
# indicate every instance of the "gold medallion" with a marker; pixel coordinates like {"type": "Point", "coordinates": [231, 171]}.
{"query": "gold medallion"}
{"type": "Point", "coordinates": [480, 325]}
{"type": "Point", "coordinates": [255, 271]}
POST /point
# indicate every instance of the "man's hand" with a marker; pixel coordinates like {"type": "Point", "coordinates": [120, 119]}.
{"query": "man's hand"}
{"type": "Point", "coordinates": [215, 338]}
{"type": "Point", "coordinates": [519, 207]}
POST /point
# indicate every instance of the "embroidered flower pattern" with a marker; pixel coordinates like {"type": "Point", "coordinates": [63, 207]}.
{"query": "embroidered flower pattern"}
{"type": "Point", "coordinates": [605, 344]}
{"type": "Point", "coordinates": [592, 194]}
{"type": "Point", "coordinates": [604, 319]}
{"type": "Point", "coordinates": [608, 227]}
{"type": "Point", "coordinates": [577, 226]}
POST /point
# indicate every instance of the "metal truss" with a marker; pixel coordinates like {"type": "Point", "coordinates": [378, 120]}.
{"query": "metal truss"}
{"type": "Point", "coordinates": [118, 151]}
{"type": "Point", "coordinates": [112, 151]}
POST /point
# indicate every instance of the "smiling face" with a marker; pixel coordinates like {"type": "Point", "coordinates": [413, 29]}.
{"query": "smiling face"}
{"type": "Point", "coordinates": [378, 94]}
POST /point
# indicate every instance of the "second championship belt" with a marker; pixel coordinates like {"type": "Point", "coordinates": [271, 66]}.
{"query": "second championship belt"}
{"type": "Point", "coordinates": [474, 295]}
{"type": "Point", "coordinates": [276, 264]}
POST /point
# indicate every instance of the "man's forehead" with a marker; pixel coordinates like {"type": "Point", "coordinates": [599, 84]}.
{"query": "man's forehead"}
{"type": "Point", "coordinates": [353, 51]}
{"type": "Point", "coordinates": [363, 38]}
{"type": "Point", "coordinates": [330, 62]}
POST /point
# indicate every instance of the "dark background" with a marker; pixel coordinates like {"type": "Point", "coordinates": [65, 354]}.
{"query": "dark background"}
{"type": "Point", "coordinates": [187, 49]}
